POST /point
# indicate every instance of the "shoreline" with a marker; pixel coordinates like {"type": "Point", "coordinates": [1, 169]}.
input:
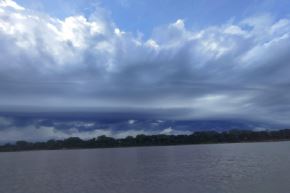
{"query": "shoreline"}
{"type": "Point", "coordinates": [143, 146]}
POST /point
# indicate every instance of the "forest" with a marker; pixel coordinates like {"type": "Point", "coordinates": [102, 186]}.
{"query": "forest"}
{"type": "Point", "coordinates": [202, 137]}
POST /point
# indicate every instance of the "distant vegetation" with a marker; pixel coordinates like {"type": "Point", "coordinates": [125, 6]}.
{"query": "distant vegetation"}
{"type": "Point", "coordinates": [205, 137]}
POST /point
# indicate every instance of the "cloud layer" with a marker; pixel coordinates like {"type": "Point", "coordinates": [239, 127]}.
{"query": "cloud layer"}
{"type": "Point", "coordinates": [45, 126]}
{"type": "Point", "coordinates": [236, 70]}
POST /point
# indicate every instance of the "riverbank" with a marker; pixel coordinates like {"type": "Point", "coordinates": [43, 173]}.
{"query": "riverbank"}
{"type": "Point", "coordinates": [206, 137]}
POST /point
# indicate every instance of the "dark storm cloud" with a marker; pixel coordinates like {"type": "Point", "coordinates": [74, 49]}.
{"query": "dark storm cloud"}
{"type": "Point", "coordinates": [45, 126]}
{"type": "Point", "coordinates": [87, 65]}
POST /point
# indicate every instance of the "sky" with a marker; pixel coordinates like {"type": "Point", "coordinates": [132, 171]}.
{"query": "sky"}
{"type": "Point", "coordinates": [127, 67]}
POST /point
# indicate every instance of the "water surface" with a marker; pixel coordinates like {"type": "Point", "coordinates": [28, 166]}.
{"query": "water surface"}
{"type": "Point", "coordinates": [222, 168]}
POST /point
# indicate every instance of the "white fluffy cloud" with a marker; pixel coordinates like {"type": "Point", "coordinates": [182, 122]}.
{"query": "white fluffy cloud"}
{"type": "Point", "coordinates": [236, 70]}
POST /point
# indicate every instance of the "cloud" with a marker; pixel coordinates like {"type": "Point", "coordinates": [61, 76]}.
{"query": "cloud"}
{"type": "Point", "coordinates": [131, 121]}
{"type": "Point", "coordinates": [47, 133]}
{"type": "Point", "coordinates": [43, 129]}
{"type": "Point", "coordinates": [11, 4]}
{"type": "Point", "coordinates": [124, 3]}
{"type": "Point", "coordinates": [237, 70]}
{"type": "Point", "coordinates": [4, 122]}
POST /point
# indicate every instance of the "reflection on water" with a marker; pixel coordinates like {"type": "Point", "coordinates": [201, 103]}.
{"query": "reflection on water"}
{"type": "Point", "coordinates": [223, 168]}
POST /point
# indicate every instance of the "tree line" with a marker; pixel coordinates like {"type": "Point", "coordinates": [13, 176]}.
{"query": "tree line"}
{"type": "Point", "coordinates": [204, 137]}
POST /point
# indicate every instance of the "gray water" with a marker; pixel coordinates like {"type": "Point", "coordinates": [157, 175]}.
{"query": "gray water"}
{"type": "Point", "coordinates": [223, 168]}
